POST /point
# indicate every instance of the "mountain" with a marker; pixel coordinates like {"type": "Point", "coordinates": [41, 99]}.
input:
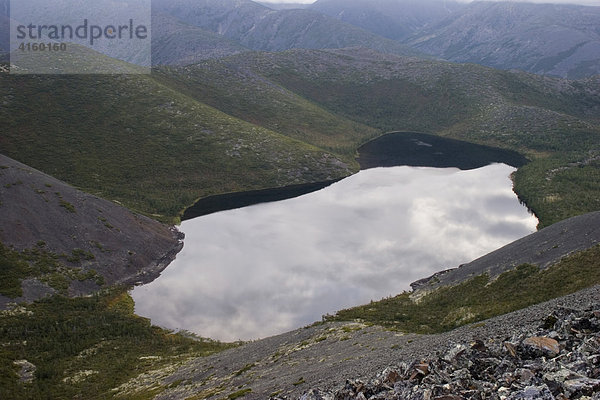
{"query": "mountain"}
{"type": "Point", "coordinates": [88, 130]}
{"type": "Point", "coordinates": [75, 59]}
{"type": "Point", "coordinates": [177, 43]}
{"type": "Point", "coordinates": [67, 259]}
{"type": "Point", "coordinates": [548, 39]}
{"type": "Point", "coordinates": [74, 12]}
{"type": "Point", "coordinates": [283, 6]}
{"type": "Point", "coordinates": [393, 19]}
{"type": "Point", "coordinates": [294, 117]}
{"type": "Point", "coordinates": [97, 243]}
{"type": "Point", "coordinates": [554, 122]}
{"type": "Point", "coordinates": [4, 27]}
{"type": "Point", "coordinates": [156, 143]}
{"type": "Point", "coordinates": [4, 34]}
{"type": "Point", "coordinates": [261, 28]}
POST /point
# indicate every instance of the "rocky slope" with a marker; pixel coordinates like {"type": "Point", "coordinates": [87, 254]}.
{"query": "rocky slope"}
{"type": "Point", "coordinates": [261, 28]}
{"type": "Point", "coordinates": [177, 43]}
{"type": "Point", "coordinates": [558, 360]}
{"type": "Point", "coordinates": [561, 40]}
{"type": "Point", "coordinates": [83, 232]}
{"type": "Point", "coordinates": [542, 248]}
{"type": "Point", "coordinates": [316, 361]}
{"type": "Point", "coordinates": [388, 18]}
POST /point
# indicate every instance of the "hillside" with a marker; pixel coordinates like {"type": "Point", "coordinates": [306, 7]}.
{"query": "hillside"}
{"type": "Point", "coordinates": [4, 34]}
{"type": "Point", "coordinates": [87, 131]}
{"type": "Point", "coordinates": [88, 243]}
{"type": "Point", "coordinates": [392, 19]}
{"type": "Point", "coordinates": [260, 28]}
{"type": "Point", "coordinates": [551, 121]}
{"type": "Point", "coordinates": [333, 101]}
{"type": "Point", "coordinates": [548, 39]}
{"type": "Point", "coordinates": [67, 259]}
{"type": "Point", "coordinates": [176, 43]}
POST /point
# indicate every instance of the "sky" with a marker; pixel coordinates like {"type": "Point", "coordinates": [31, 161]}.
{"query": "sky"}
{"type": "Point", "coordinates": [583, 2]}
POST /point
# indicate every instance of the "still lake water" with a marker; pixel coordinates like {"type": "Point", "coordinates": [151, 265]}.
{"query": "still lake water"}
{"type": "Point", "coordinates": [269, 268]}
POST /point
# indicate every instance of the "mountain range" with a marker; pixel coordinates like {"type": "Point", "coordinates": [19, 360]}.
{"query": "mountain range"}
{"type": "Point", "coordinates": [392, 19]}
{"type": "Point", "coordinates": [549, 39]}
{"type": "Point", "coordinates": [96, 169]}
{"type": "Point", "coordinates": [560, 40]}
{"type": "Point", "coordinates": [260, 28]}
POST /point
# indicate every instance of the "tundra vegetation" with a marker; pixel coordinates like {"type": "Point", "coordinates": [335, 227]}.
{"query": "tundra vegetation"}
{"type": "Point", "coordinates": [259, 120]}
{"type": "Point", "coordinates": [157, 143]}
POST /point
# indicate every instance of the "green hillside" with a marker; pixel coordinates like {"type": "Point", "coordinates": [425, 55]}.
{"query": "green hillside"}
{"type": "Point", "coordinates": [554, 122]}
{"type": "Point", "coordinates": [132, 139]}
{"type": "Point", "coordinates": [156, 143]}
{"type": "Point", "coordinates": [254, 120]}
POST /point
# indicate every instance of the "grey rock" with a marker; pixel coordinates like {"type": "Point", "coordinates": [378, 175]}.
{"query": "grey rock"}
{"type": "Point", "coordinates": [584, 386]}
{"type": "Point", "coordinates": [537, 249]}
{"type": "Point", "coordinates": [316, 394]}
{"type": "Point", "coordinates": [532, 393]}
{"type": "Point", "coordinates": [123, 247]}
{"type": "Point", "coordinates": [27, 371]}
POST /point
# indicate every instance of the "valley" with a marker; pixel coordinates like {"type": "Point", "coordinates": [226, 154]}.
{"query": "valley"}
{"type": "Point", "coordinates": [249, 106]}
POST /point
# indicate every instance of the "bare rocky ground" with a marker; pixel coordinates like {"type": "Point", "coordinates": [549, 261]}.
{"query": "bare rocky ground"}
{"type": "Point", "coordinates": [41, 212]}
{"type": "Point", "coordinates": [317, 361]}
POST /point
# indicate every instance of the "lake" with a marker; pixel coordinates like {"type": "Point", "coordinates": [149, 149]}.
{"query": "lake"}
{"type": "Point", "coordinates": [268, 268]}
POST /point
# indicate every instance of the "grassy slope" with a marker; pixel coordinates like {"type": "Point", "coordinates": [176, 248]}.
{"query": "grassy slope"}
{"type": "Point", "coordinates": [154, 149]}
{"type": "Point", "coordinates": [65, 337]}
{"type": "Point", "coordinates": [478, 298]}
{"type": "Point", "coordinates": [247, 95]}
{"type": "Point", "coordinates": [85, 347]}
{"type": "Point", "coordinates": [88, 130]}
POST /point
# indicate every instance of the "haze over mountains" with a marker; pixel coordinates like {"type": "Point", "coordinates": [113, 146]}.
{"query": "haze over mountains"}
{"type": "Point", "coordinates": [562, 40]}
{"type": "Point", "coordinates": [559, 40]}
{"type": "Point", "coordinates": [550, 39]}
{"type": "Point", "coordinates": [261, 28]}
{"type": "Point", "coordinates": [389, 18]}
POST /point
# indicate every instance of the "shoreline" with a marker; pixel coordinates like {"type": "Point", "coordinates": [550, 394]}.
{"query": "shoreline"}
{"type": "Point", "coordinates": [391, 149]}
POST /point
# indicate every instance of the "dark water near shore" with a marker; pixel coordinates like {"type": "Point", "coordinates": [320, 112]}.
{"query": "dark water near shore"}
{"type": "Point", "coordinates": [423, 150]}
{"type": "Point", "coordinates": [390, 150]}
{"type": "Point", "coordinates": [231, 201]}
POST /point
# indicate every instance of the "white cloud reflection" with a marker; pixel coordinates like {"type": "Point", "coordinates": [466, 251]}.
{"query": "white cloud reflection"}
{"type": "Point", "coordinates": [269, 268]}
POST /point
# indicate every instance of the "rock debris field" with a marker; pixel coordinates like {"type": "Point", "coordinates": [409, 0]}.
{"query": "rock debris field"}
{"type": "Point", "coordinates": [559, 360]}
{"type": "Point", "coordinates": [547, 351]}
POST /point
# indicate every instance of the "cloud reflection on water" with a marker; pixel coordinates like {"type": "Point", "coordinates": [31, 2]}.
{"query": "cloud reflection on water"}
{"type": "Point", "coordinates": [265, 269]}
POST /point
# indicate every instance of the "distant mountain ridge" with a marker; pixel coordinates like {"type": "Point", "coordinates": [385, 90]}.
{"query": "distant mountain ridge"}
{"type": "Point", "coordinates": [392, 19]}
{"type": "Point", "coordinates": [549, 39]}
{"type": "Point", "coordinates": [177, 43]}
{"type": "Point", "coordinates": [261, 28]}
{"type": "Point", "coordinates": [552, 39]}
